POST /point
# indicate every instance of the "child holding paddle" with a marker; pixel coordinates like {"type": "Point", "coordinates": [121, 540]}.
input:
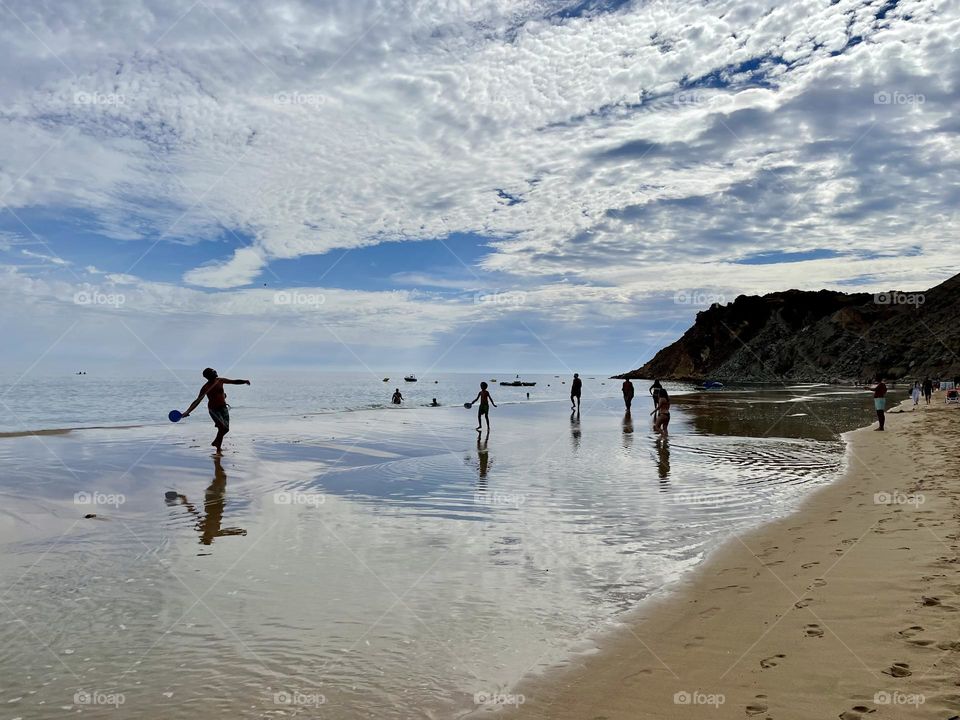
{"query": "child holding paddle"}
{"type": "Point", "coordinates": [216, 403]}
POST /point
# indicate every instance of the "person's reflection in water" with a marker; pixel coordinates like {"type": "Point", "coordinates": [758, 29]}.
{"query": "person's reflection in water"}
{"type": "Point", "coordinates": [483, 457]}
{"type": "Point", "coordinates": [663, 460]}
{"type": "Point", "coordinates": [208, 523]}
{"type": "Point", "coordinates": [627, 430]}
{"type": "Point", "coordinates": [575, 430]}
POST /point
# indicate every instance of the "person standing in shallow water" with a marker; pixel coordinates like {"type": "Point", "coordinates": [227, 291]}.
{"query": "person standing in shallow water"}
{"type": "Point", "coordinates": [880, 401]}
{"type": "Point", "coordinates": [216, 403]}
{"type": "Point", "coordinates": [662, 418]}
{"type": "Point", "coordinates": [575, 390]}
{"type": "Point", "coordinates": [397, 397]}
{"type": "Point", "coordinates": [654, 391]}
{"type": "Point", "coordinates": [628, 393]}
{"type": "Point", "coordinates": [484, 410]}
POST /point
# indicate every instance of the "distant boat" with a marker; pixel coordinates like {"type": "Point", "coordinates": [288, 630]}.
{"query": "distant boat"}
{"type": "Point", "coordinates": [410, 378]}
{"type": "Point", "coordinates": [386, 379]}
{"type": "Point", "coordinates": [712, 385]}
{"type": "Point", "coordinates": [517, 383]}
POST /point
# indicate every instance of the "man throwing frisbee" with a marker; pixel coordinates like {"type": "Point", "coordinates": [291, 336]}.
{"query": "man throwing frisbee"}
{"type": "Point", "coordinates": [216, 403]}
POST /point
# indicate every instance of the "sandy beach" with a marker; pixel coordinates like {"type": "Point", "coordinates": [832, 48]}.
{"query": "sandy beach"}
{"type": "Point", "coordinates": [843, 609]}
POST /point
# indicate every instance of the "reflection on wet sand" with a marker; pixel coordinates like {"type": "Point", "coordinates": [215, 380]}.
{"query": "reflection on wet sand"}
{"type": "Point", "coordinates": [627, 430]}
{"type": "Point", "coordinates": [575, 429]}
{"type": "Point", "coordinates": [209, 522]}
{"type": "Point", "coordinates": [663, 460]}
{"type": "Point", "coordinates": [483, 457]}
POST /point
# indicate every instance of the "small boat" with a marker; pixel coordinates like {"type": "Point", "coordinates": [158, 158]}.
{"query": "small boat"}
{"type": "Point", "coordinates": [517, 383]}
{"type": "Point", "coordinates": [386, 379]}
{"type": "Point", "coordinates": [712, 385]}
{"type": "Point", "coordinates": [527, 384]}
{"type": "Point", "coordinates": [409, 378]}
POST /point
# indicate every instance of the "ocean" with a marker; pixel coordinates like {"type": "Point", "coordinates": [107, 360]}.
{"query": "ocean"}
{"type": "Point", "coordinates": [352, 560]}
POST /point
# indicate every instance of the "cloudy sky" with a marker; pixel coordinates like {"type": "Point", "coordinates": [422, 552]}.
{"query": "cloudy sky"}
{"type": "Point", "coordinates": [456, 184]}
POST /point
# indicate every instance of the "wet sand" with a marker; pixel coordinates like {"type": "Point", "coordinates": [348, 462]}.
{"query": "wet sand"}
{"type": "Point", "coordinates": [847, 608]}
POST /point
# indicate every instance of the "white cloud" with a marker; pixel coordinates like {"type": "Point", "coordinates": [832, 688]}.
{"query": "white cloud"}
{"type": "Point", "coordinates": [586, 146]}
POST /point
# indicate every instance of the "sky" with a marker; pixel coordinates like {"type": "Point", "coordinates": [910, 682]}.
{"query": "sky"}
{"type": "Point", "coordinates": [475, 185]}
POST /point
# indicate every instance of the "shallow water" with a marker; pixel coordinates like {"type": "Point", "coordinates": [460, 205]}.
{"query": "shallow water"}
{"type": "Point", "coordinates": [371, 564]}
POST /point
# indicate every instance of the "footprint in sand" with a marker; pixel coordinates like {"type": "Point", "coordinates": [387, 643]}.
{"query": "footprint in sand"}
{"type": "Point", "coordinates": [813, 630]}
{"type": "Point", "coordinates": [808, 565]}
{"type": "Point", "coordinates": [818, 582]}
{"type": "Point", "coordinates": [922, 643]}
{"type": "Point", "coordinates": [800, 604]}
{"type": "Point", "coordinates": [952, 645]}
{"type": "Point", "coordinates": [911, 631]}
{"type": "Point", "coordinates": [756, 708]}
{"type": "Point", "coordinates": [856, 712]}
{"type": "Point", "coordinates": [732, 569]}
{"type": "Point", "coordinates": [771, 661]}
{"type": "Point", "coordinates": [898, 670]}
{"type": "Point", "coordinates": [709, 612]}
{"type": "Point", "coordinates": [929, 600]}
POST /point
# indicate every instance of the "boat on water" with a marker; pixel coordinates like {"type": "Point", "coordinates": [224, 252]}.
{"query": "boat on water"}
{"type": "Point", "coordinates": [410, 378]}
{"type": "Point", "coordinates": [712, 385]}
{"type": "Point", "coordinates": [517, 383]}
{"type": "Point", "coordinates": [386, 379]}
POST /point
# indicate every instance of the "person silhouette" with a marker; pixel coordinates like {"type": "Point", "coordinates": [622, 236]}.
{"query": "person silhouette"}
{"type": "Point", "coordinates": [575, 390]}
{"type": "Point", "coordinates": [216, 403]}
{"type": "Point", "coordinates": [654, 391]}
{"type": "Point", "coordinates": [483, 411]}
{"type": "Point", "coordinates": [628, 392]}
{"type": "Point", "coordinates": [397, 397]}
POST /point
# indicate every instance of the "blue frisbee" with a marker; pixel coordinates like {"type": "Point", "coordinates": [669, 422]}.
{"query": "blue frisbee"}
{"type": "Point", "coordinates": [175, 416]}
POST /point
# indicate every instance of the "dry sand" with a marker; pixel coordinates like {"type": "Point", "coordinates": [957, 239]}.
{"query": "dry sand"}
{"type": "Point", "coordinates": [847, 608]}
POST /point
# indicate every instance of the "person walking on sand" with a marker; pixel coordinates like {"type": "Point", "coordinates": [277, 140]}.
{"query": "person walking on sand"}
{"type": "Point", "coordinates": [654, 391]}
{"type": "Point", "coordinates": [397, 397]}
{"type": "Point", "coordinates": [216, 403]}
{"type": "Point", "coordinates": [628, 392]}
{"type": "Point", "coordinates": [880, 401]}
{"type": "Point", "coordinates": [915, 394]}
{"type": "Point", "coordinates": [575, 389]}
{"type": "Point", "coordinates": [927, 389]}
{"type": "Point", "coordinates": [484, 410]}
{"type": "Point", "coordinates": [662, 419]}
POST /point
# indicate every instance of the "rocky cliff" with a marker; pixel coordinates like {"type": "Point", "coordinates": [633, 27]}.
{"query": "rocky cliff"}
{"type": "Point", "coordinates": [819, 337]}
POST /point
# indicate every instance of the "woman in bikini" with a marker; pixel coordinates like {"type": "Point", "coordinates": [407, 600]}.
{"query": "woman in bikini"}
{"type": "Point", "coordinates": [662, 419]}
{"type": "Point", "coordinates": [484, 410]}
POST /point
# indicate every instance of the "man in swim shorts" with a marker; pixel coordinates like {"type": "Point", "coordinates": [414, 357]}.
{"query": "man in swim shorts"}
{"type": "Point", "coordinates": [216, 403]}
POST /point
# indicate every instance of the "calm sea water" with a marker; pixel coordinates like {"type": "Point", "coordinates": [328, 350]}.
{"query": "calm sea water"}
{"type": "Point", "coordinates": [383, 563]}
{"type": "Point", "coordinates": [67, 401]}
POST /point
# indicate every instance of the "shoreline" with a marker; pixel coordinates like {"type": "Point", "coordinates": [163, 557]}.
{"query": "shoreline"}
{"type": "Point", "coordinates": [842, 608]}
